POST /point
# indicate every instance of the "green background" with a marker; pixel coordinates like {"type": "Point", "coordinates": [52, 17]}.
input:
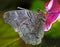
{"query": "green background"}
{"type": "Point", "coordinates": [10, 38]}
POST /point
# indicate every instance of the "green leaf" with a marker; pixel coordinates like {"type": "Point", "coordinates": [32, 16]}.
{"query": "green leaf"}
{"type": "Point", "coordinates": [38, 4]}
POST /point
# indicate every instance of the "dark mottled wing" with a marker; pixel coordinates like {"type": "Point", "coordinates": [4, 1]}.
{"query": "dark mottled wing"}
{"type": "Point", "coordinates": [29, 25]}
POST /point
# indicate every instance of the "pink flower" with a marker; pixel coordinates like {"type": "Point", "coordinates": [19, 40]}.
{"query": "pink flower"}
{"type": "Point", "coordinates": [53, 11]}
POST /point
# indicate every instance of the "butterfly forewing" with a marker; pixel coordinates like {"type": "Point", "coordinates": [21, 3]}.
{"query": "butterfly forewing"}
{"type": "Point", "coordinates": [28, 24]}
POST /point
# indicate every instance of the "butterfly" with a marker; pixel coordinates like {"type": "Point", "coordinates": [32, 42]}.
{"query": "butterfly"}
{"type": "Point", "coordinates": [28, 24]}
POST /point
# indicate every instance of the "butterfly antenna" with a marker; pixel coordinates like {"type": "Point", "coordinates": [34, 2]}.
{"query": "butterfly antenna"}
{"type": "Point", "coordinates": [20, 8]}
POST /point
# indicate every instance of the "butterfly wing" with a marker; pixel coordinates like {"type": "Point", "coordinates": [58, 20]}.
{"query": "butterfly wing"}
{"type": "Point", "coordinates": [29, 25]}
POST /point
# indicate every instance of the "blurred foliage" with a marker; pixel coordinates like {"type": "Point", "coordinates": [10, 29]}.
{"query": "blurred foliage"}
{"type": "Point", "coordinates": [10, 38]}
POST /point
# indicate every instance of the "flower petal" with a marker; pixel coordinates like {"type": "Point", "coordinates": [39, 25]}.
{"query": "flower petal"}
{"type": "Point", "coordinates": [51, 18]}
{"type": "Point", "coordinates": [53, 6]}
{"type": "Point", "coordinates": [48, 5]}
